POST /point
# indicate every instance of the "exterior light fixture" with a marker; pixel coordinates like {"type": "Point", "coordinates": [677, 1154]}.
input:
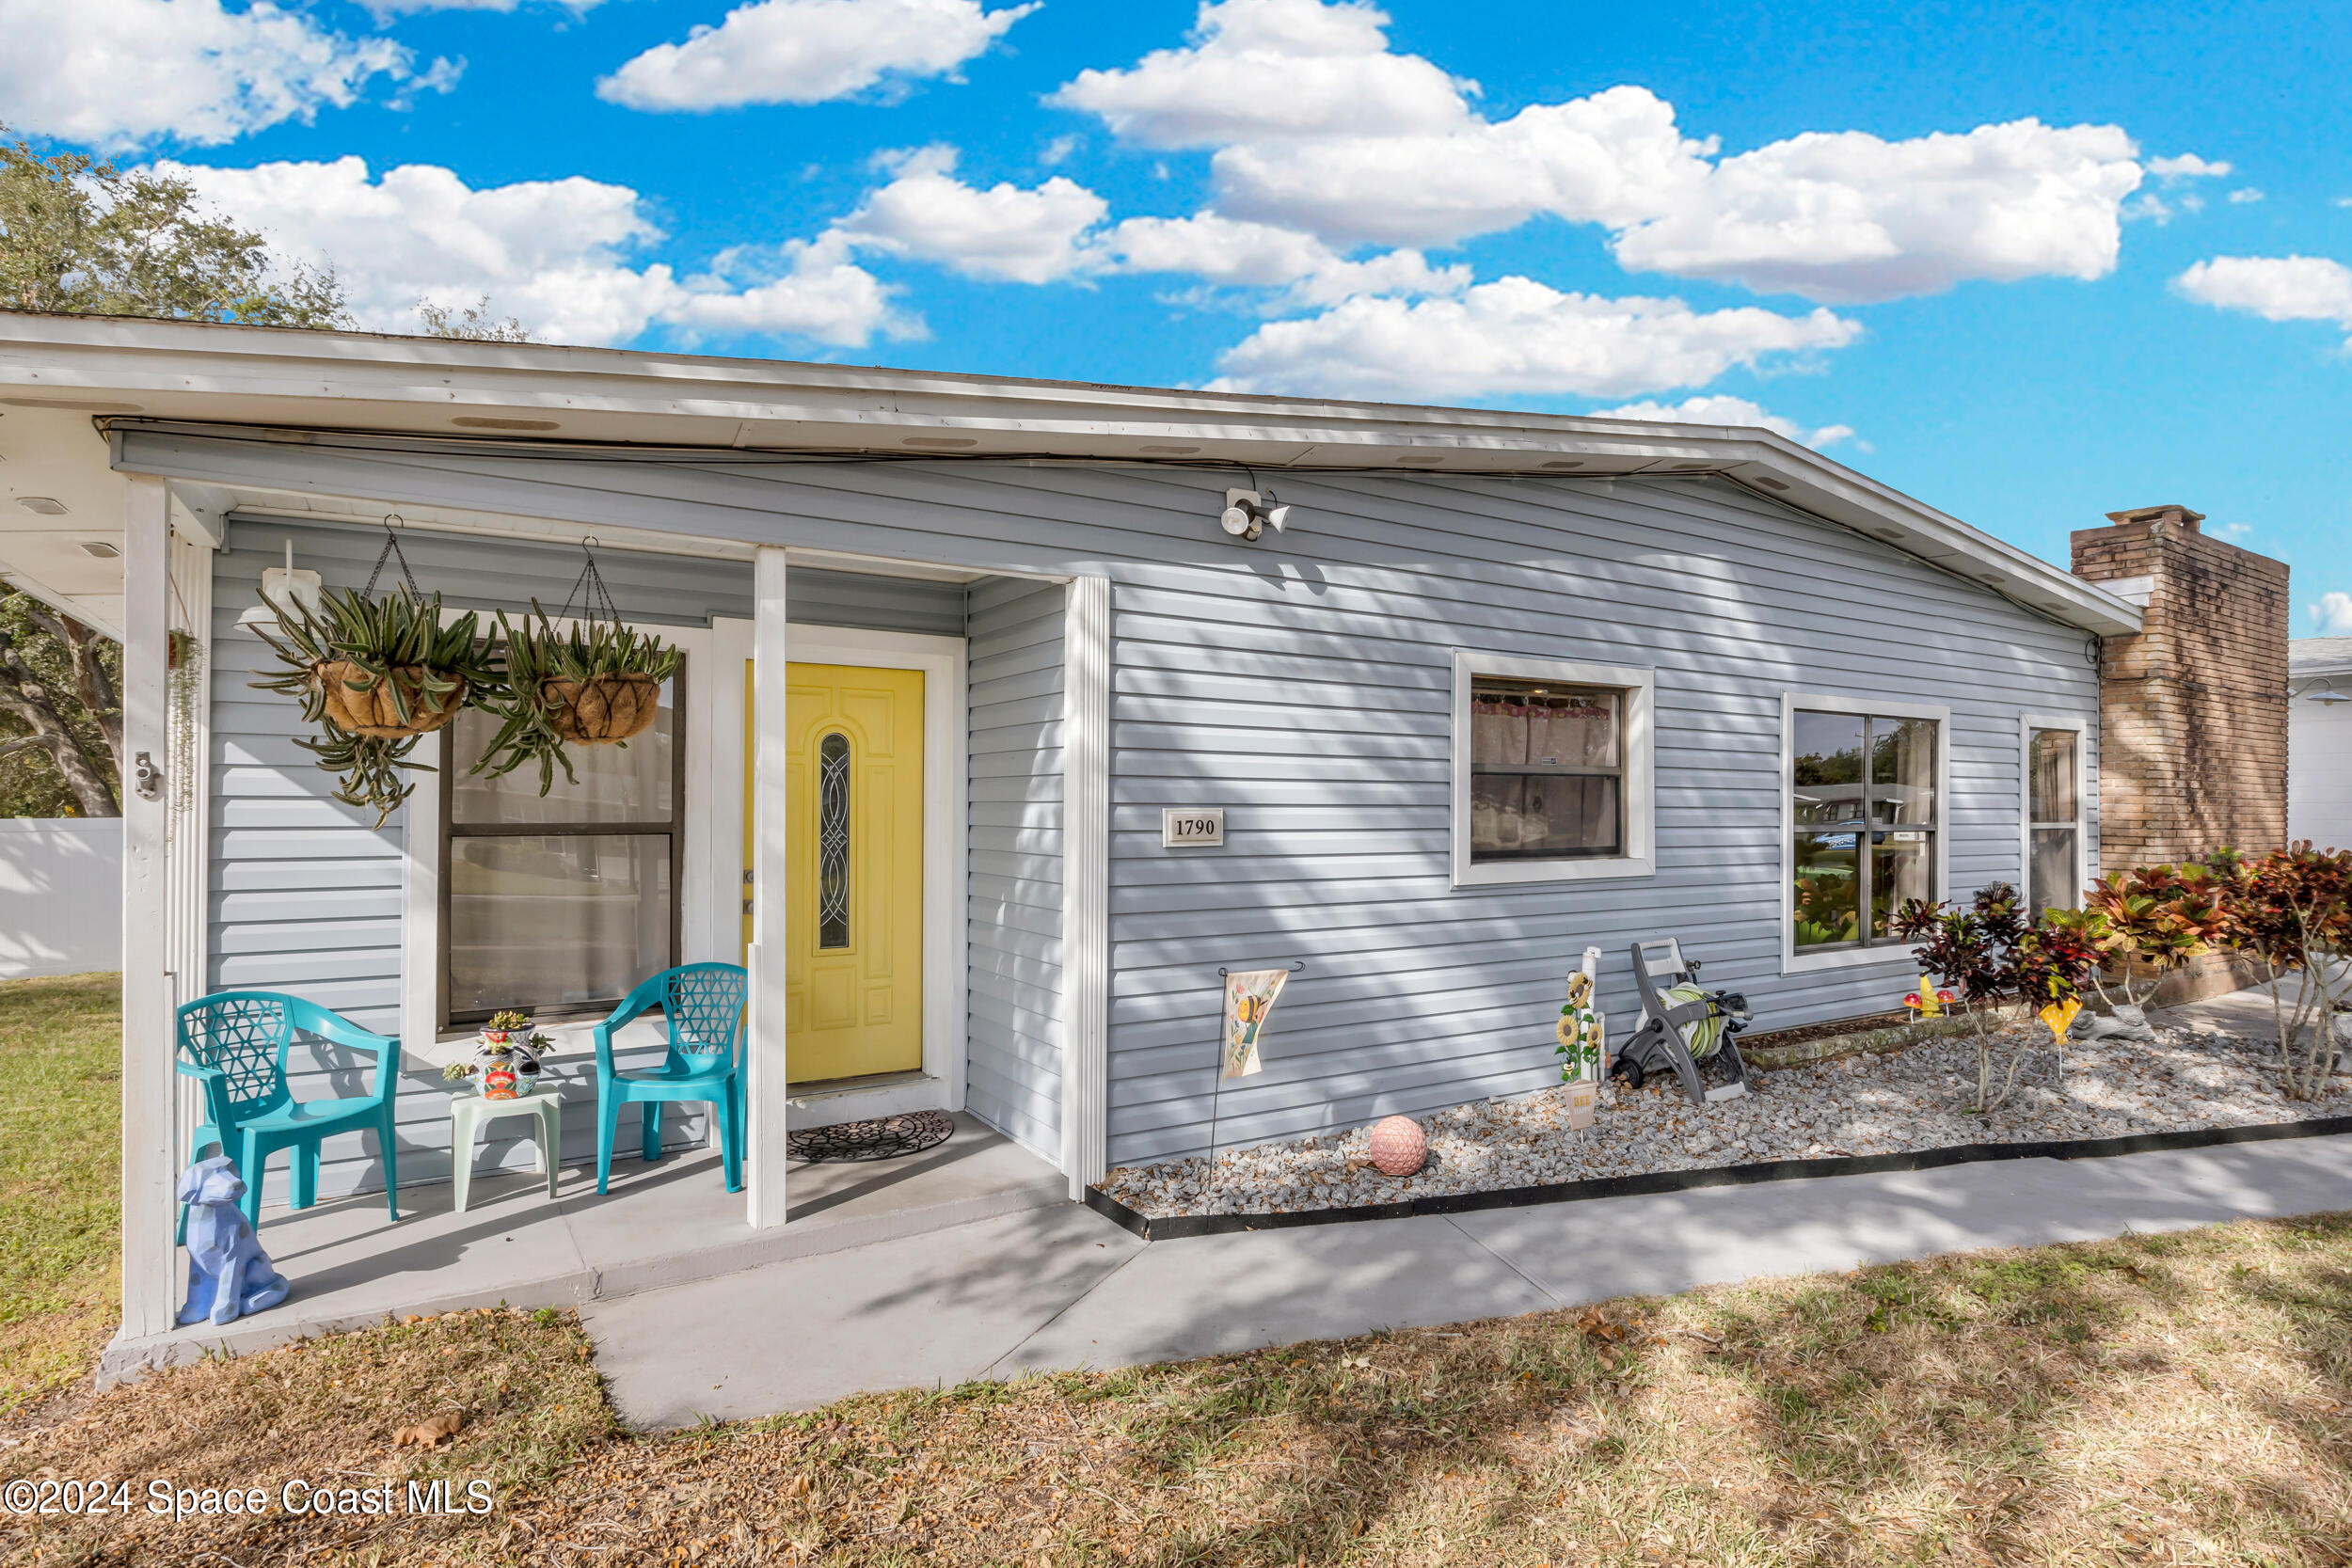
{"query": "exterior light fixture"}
{"type": "Point", "coordinates": [1248, 512]}
{"type": "Point", "coordinates": [2329, 696]}
{"type": "Point", "coordinates": [286, 586]}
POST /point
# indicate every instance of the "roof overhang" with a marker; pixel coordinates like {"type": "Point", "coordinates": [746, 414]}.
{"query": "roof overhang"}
{"type": "Point", "coordinates": [60, 373]}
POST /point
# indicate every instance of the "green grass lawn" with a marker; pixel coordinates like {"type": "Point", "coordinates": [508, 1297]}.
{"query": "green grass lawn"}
{"type": "Point", "coordinates": [60, 1172]}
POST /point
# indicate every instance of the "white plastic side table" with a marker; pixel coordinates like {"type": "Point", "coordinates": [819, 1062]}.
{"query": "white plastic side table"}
{"type": "Point", "coordinates": [467, 1111]}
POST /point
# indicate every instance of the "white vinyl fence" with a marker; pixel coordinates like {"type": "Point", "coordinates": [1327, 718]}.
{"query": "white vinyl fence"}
{"type": "Point", "coordinates": [60, 895]}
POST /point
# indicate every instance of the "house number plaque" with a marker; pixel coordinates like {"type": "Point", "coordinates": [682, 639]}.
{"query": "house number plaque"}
{"type": "Point", "coordinates": [1192, 827]}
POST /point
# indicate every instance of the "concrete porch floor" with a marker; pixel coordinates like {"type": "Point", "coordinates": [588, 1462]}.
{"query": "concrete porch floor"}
{"type": "Point", "coordinates": [663, 1225]}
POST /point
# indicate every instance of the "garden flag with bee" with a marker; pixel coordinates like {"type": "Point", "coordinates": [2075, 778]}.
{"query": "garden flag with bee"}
{"type": "Point", "coordinates": [1249, 997]}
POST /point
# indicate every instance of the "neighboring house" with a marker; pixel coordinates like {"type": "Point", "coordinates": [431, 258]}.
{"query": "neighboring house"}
{"type": "Point", "coordinates": [1505, 685]}
{"type": "Point", "coordinates": [2319, 741]}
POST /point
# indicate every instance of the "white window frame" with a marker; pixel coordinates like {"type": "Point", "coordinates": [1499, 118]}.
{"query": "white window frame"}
{"type": "Point", "coordinates": [1791, 703]}
{"type": "Point", "coordinates": [2027, 724]}
{"type": "Point", "coordinates": [707, 904]}
{"type": "Point", "coordinates": [1640, 687]}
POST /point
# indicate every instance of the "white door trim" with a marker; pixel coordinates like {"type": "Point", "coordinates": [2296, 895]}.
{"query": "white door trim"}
{"type": "Point", "coordinates": [945, 932]}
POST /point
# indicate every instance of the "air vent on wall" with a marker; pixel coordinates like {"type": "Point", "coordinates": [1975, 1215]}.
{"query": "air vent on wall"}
{"type": "Point", "coordinates": [1170, 452]}
{"type": "Point", "coordinates": [99, 548]}
{"type": "Point", "coordinates": [1770, 482]}
{"type": "Point", "coordinates": [476, 422]}
{"type": "Point", "coordinates": [1566, 463]}
{"type": "Point", "coordinates": [46, 506]}
{"type": "Point", "coordinates": [940, 441]}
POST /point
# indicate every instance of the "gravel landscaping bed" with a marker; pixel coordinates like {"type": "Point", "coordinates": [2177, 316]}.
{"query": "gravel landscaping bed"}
{"type": "Point", "coordinates": [1879, 1105]}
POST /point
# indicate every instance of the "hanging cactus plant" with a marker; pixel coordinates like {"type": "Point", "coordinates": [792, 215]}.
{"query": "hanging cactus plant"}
{"type": "Point", "coordinates": [376, 675]}
{"type": "Point", "coordinates": [596, 684]}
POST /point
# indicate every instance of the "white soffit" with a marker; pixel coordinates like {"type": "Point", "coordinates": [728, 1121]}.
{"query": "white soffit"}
{"type": "Point", "coordinates": [82, 367]}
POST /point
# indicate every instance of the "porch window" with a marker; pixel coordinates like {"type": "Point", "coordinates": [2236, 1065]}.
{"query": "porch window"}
{"type": "Point", "coordinates": [1551, 770]}
{"type": "Point", "coordinates": [559, 905]}
{"type": "Point", "coordinates": [1864, 809]}
{"type": "Point", "coordinates": [2053, 818]}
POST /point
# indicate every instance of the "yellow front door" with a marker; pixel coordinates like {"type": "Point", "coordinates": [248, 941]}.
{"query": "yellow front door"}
{"type": "Point", "coordinates": [854, 922]}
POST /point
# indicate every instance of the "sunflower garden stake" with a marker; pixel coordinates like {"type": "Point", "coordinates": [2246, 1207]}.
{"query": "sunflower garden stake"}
{"type": "Point", "coordinates": [376, 676]}
{"type": "Point", "coordinates": [597, 683]}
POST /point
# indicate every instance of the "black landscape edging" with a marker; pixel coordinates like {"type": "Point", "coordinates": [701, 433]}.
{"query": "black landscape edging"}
{"type": "Point", "coordinates": [1175, 1227]}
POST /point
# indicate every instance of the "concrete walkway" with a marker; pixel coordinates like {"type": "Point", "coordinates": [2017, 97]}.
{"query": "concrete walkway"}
{"type": "Point", "coordinates": [1064, 1288]}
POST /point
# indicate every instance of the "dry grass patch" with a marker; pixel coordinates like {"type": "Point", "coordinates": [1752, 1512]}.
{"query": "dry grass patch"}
{"type": "Point", "coordinates": [2183, 1398]}
{"type": "Point", "coordinates": [325, 1413]}
{"type": "Point", "coordinates": [60, 1157]}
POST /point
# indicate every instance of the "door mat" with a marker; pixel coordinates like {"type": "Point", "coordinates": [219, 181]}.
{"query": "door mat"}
{"type": "Point", "coordinates": [881, 1138]}
{"type": "Point", "coordinates": [1172, 1227]}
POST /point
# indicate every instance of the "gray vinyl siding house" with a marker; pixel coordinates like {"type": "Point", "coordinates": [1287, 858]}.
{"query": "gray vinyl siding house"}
{"type": "Point", "coordinates": [1305, 684]}
{"type": "Point", "coordinates": [1100, 650]}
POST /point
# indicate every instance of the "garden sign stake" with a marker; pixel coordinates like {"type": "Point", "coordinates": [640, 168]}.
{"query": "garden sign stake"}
{"type": "Point", "coordinates": [1248, 997]}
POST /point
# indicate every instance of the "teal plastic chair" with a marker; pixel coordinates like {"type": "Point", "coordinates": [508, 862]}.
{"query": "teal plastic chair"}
{"type": "Point", "coordinates": [702, 1006]}
{"type": "Point", "coordinates": [235, 1045]}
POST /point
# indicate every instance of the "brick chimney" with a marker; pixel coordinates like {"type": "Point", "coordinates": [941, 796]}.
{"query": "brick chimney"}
{"type": "Point", "coordinates": [2193, 720]}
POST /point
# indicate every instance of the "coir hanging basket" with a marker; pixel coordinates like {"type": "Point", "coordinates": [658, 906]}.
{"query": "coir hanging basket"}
{"type": "Point", "coordinates": [359, 702]}
{"type": "Point", "coordinates": [601, 710]}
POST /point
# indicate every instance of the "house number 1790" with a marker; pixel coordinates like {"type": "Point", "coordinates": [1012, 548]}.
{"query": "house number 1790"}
{"type": "Point", "coordinates": [1193, 828]}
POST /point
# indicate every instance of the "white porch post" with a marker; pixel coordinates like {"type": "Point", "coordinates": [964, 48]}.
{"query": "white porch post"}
{"type": "Point", "coordinates": [188, 919]}
{"type": "Point", "coordinates": [1085, 882]}
{"type": "Point", "coordinates": [766, 1098]}
{"type": "Point", "coordinates": [147, 1078]}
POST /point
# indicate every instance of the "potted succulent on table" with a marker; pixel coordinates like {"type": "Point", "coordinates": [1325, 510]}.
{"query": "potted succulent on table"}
{"type": "Point", "coordinates": [376, 675]}
{"type": "Point", "coordinates": [507, 1057]}
{"type": "Point", "coordinates": [597, 683]}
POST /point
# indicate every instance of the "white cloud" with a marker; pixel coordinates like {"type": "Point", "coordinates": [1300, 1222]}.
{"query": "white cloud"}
{"type": "Point", "coordinates": [2235, 532]}
{"type": "Point", "coordinates": [807, 52]}
{"type": "Point", "coordinates": [1057, 231]}
{"type": "Point", "coordinates": [2244, 196]}
{"type": "Point", "coordinates": [1315, 123]}
{"type": "Point", "coordinates": [552, 253]}
{"type": "Point", "coordinates": [1725, 410]}
{"type": "Point", "coordinates": [2276, 288]}
{"type": "Point", "coordinates": [1004, 232]}
{"type": "Point", "coordinates": [120, 73]}
{"type": "Point", "coordinates": [2148, 207]}
{"type": "Point", "coordinates": [1516, 336]}
{"type": "Point", "coordinates": [2332, 615]}
{"type": "Point", "coordinates": [1848, 218]}
{"type": "Point", "coordinates": [2188, 166]}
{"type": "Point", "coordinates": [1269, 69]}
{"type": "Point", "coordinates": [1233, 253]}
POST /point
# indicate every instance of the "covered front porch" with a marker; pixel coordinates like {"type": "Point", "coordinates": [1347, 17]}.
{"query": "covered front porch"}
{"type": "Point", "coordinates": [268, 884]}
{"type": "Point", "coordinates": [661, 1225]}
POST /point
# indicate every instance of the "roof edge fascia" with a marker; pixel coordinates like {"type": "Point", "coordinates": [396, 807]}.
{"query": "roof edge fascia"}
{"type": "Point", "coordinates": [756, 404]}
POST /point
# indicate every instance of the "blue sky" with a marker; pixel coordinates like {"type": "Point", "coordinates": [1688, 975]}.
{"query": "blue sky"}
{"type": "Point", "coordinates": [1988, 254]}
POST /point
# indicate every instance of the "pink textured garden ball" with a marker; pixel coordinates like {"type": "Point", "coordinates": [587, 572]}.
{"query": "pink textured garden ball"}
{"type": "Point", "coordinates": [1399, 1147]}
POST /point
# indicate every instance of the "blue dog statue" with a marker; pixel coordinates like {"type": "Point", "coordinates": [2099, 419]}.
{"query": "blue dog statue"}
{"type": "Point", "coordinates": [228, 1274]}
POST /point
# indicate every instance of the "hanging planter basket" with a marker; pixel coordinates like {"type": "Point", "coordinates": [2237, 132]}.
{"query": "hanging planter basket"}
{"type": "Point", "coordinates": [596, 683]}
{"type": "Point", "coordinates": [601, 710]}
{"type": "Point", "coordinates": [376, 676]}
{"type": "Point", "coordinates": [401, 702]}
